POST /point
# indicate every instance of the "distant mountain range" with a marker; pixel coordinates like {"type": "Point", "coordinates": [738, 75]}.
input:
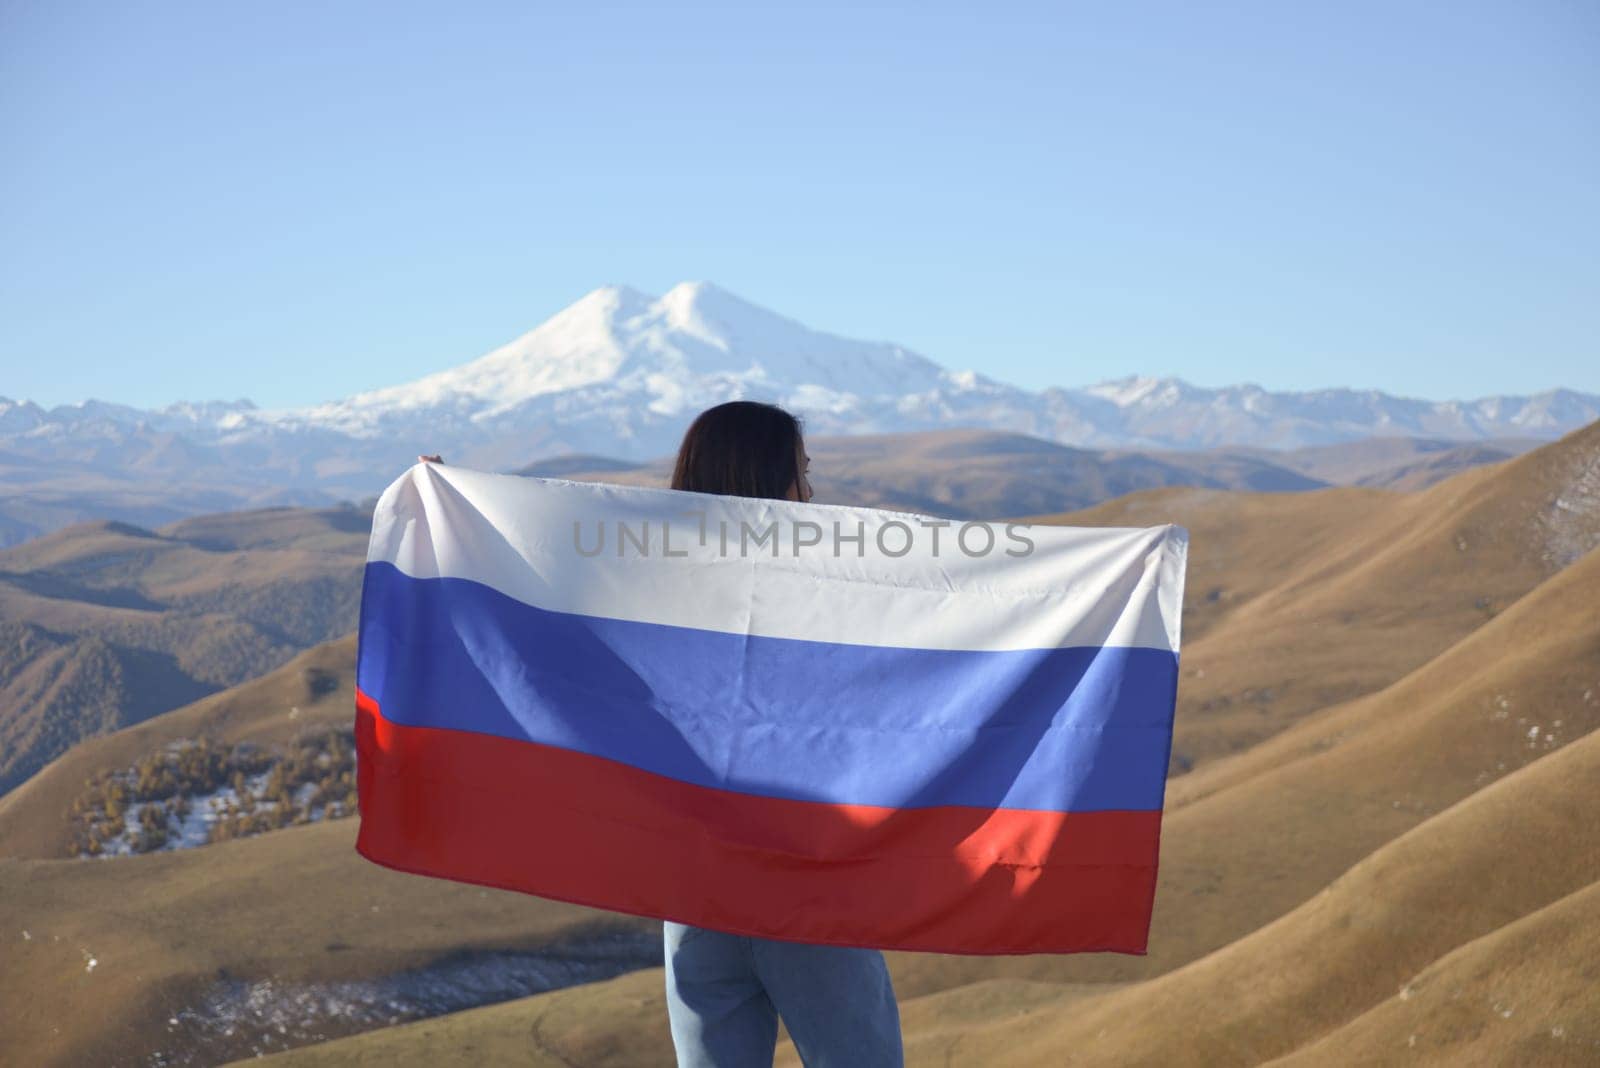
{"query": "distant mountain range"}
{"type": "Point", "coordinates": [619, 373]}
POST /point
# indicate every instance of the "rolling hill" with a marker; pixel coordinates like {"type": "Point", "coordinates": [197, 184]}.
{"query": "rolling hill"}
{"type": "Point", "coordinates": [967, 474]}
{"type": "Point", "coordinates": [107, 624]}
{"type": "Point", "coordinates": [1519, 844]}
{"type": "Point", "coordinates": [1403, 463]}
{"type": "Point", "coordinates": [1398, 579]}
{"type": "Point", "coordinates": [973, 474]}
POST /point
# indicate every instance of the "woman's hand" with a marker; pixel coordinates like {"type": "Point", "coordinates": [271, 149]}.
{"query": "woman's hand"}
{"type": "Point", "coordinates": [430, 459]}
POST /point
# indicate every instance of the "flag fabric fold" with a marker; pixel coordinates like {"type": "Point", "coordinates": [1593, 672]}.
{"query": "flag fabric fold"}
{"type": "Point", "coordinates": [810, 722]}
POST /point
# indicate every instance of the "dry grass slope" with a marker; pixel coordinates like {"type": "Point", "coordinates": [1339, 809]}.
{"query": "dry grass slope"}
{"type": "Point", "coordinates": [297, 905]}
{"type": "Point", "coordinates": [315, 691]}
{"type": "Point", "coordinates": [1408, 464]}
{"type": "Point", "coordinates": [1521, 995]}
{"type": "Point", "coordinates": [1334, 594]}
{"type": "Point", "coordinates": [1504, 853]}
{"type": "Point", "coordinates": [123, 623]}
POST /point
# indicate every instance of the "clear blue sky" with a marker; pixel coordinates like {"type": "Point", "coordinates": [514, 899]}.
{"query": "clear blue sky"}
{"type": "Point", "coordinates": [292, 202]}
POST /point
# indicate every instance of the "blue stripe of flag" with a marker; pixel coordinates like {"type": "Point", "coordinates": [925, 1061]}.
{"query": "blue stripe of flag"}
{"type": "Point", "coordinates": [1066, 730]}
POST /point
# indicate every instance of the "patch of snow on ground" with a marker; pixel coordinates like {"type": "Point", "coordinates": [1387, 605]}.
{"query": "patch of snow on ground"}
{"type": "Point", "coordinates": [238, 1018]}
{"type": "Point", "coordinates": [1570, 525]}
{"type": "Point", "coordinates": [194, 829]}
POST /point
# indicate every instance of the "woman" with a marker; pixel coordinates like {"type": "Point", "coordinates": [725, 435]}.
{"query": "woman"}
{"type": "Point", "coordinates": [726, 992]}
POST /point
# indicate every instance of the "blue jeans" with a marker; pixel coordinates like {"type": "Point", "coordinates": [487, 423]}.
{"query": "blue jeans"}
{"type": "Point", "coordinates": [725, 993]}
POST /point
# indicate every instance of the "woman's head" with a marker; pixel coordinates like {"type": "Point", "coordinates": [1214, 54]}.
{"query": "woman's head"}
{"type": "Point", "coordinates": [744, 449]}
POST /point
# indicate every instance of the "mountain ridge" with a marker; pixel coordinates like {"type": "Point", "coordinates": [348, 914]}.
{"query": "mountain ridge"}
{"type": "Point", "coordinates": [620, 372]}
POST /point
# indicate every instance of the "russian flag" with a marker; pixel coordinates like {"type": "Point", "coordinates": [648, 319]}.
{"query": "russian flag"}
{"type": "Point", "coordinates": [810, 722]}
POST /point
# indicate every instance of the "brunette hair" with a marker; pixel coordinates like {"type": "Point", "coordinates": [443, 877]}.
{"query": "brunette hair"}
{"type": "Point", "coordinates": [740, 449]}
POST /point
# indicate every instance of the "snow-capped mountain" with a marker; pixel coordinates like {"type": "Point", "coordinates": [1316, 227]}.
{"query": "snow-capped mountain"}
{"type": "Point", "coordinates": [693, 346]}
{"type": "Point", "coordinates": [1178, 415]}
{"type": "Point", "coordinates": [620, 373]}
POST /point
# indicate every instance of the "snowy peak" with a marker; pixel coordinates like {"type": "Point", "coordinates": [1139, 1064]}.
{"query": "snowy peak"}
{"type": "Point", "coordinates": [696, 344]}
{"type": "Point", "coordinates": [1138, 389]}
{"type": "Point", "coordinates": [1169, 412]}
{"type": "Point", "coordinates": [20, 416]}
{"type": "Point", "coordinates": [705, 310]}
{"type": "Point", "coordinates": [691, 304]}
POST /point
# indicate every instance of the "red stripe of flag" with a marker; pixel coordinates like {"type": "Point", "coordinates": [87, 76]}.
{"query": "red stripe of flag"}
{"type": "Point", "coordinates": [574, 827]}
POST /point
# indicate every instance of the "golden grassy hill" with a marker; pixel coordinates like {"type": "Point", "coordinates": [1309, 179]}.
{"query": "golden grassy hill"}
{"type": "Point", "coordinates": [1333, 594]}
{"type": "Point", "coordinates": [1397, 463]}
{"type": "Point", "coordinates": [1501, 854]}
{"type": "Point", "coordinates": [1519, 686]}
{"type": "Point", "coordinates": [315, 690]}
{"type": "Point", "coordinates": [296, 906]}
{"type": "Point", "coordinates": [1433, 468]}
{"type": "Point", "coordinates": [1521, 995]}
{"type": "Point", "coordinates": [106, 624]}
